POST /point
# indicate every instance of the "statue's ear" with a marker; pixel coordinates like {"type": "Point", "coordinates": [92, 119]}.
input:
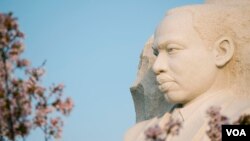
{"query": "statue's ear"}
{"type": "Point", "coordinates": [223, 51]}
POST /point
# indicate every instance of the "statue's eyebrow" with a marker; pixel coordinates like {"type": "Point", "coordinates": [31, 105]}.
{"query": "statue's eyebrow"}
{"type": "Point", "coordinates": [162, 45]}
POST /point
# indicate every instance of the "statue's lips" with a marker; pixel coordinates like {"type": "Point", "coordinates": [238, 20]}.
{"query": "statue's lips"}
{"type": "Point", "coordinates": [163, 79]}
{"type": "Point", "coordinates": [165, 83]}
{"type": "Point", "coordinates": [167, 86]}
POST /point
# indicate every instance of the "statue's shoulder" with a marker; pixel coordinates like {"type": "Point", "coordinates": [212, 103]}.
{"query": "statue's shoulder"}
{"type": "Point", "coordinates": [138, 129]}
{"type": "Point", "coordinates": [246, 111]}
{"type": "Point", "coordinates": [241, 106]}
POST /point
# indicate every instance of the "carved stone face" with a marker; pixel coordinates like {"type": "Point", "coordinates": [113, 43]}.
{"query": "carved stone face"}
{"type": "Point", "coordinates": [185, 66]}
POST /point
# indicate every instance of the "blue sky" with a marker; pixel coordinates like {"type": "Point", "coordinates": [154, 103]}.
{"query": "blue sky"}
{"type": "Point", "coordinates": [93, 47]}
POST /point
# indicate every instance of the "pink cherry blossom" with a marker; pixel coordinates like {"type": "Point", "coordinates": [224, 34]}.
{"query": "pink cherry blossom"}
{"type": "Point", "coordinates": [25, 104]}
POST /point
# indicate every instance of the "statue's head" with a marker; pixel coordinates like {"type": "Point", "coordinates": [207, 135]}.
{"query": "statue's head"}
{"type": "Point", "coordinates": [202, 49]}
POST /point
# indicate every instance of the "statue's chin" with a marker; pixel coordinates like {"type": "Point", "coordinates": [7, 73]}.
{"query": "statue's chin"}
{"type": "Point", "coordinates": [170, 100]}
{"type": "Point", "coordinates": [174, 98]}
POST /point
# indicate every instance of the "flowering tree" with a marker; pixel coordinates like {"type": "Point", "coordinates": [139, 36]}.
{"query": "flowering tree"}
{"type": "Point", "coordinates": [155, 133]}
{"type": "Point", "coordinates": [24, 103]}
{"type": "Point", "coordinates": [216, 120]}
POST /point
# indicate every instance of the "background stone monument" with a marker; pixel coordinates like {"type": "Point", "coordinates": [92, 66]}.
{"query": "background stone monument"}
{"type": "Point", "coordinates": [148, 100]}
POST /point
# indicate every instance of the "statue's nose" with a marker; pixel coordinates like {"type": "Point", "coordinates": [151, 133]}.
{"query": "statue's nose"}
{"type": "Point", "coordinates": [160, 65]}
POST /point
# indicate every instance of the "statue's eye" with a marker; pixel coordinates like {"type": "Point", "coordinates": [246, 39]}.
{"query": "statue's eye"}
{"type": "Point", "coordinates": [156, 52]}
{"type": "Point", "coordinates": [170, 49]}
{"type": "Point", "coordinates": [173, 48]}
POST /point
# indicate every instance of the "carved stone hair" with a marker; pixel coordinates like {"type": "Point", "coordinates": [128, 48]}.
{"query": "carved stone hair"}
{"type": "Point", "coordinates": [228, 2]}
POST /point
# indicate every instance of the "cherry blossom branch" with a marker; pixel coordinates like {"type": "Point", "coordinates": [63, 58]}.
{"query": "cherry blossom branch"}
{"type": "Point", "coordinates": [8, 94]}
{"type": "Point", "coordinates": [24, 103]}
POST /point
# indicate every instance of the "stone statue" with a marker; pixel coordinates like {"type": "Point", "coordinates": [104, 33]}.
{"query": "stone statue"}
{"type": "Point", "coordinates": [202, 61]}
{"type": "Point", "coordinates": [148, 99]}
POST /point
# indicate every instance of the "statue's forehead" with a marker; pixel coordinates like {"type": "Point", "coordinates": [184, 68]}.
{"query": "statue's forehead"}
{"type": "Point", "coordinates": [175, 19]}
{"type": "Point", "coordinates": [174, 27]}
